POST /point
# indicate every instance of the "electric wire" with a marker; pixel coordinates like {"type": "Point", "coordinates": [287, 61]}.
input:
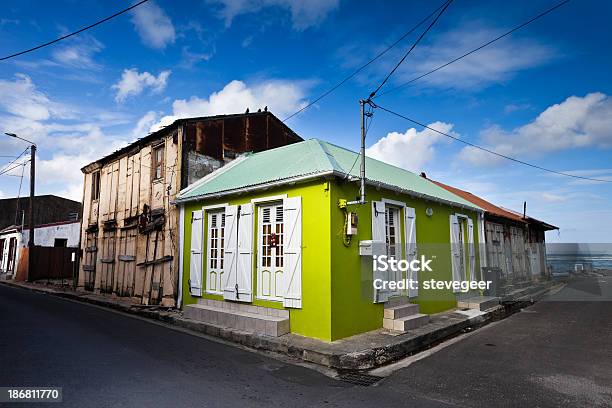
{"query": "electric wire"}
{"type": "Point", "coordinates": [373, 94]}
{"type": "Point", "coordinates": [492, 151]}
{"type": "Point", "coordinates": [15, 159]}
{"type": "Point", "coordinates": [73, 33]}
{"type": "Point", "coordinates": [507, 33]}
{"type": "Point", "coordinates": [361, 68]}
{"type": "Point", "coordinates": [4, 171]}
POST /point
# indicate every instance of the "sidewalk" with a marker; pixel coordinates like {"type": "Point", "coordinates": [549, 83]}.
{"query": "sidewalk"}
{"type": "Point", "coordinates": [360, 352]}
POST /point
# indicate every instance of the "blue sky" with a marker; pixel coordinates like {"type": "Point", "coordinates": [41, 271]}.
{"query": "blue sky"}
{"type": "Point", "coordinates": [541, 95]}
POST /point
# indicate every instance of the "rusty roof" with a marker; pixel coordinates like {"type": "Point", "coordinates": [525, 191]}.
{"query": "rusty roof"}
{"type": "Point", "coordinates": [174, 125]}
{"type": "Point", "coordinates": [492, 208]}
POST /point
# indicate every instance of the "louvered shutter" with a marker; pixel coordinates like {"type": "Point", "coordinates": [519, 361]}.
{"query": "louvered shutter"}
{"type": "Point", "coordinates": [195, 259]}
{"type": "Point", "coordinates": [379, 247]}
{"type": "Point", "coordinates": [244, 272]}
{"type": "Point", "coordinates": [472, 251]}
{"type": "Point", "coordinates": [455, 250]}
{"type": "Point", "coordinates": [411, 246]}
{"type": "Point", "coordinates": [229, 252]}
{"type": "Point", "coordinates": [292, 250]}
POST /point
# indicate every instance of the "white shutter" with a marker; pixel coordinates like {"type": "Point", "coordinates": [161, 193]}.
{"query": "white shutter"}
{"type": "Point", "coordinates": [292, 249]}
{"type": "Point", "coordinates": [379, 247]}
{"type": "Point", "coordinates": [229, 252]}
{"type": "Point", "coordinates": [455, 252]}
{"type": "Point", "coordinates": [244, 273]}
{"type": "Point", "coordinates": [470, 224]}
{"type": "Point", "coordinates": [411, 246]}
{"type": "Point", "coordinates": [195, 259]}
{"type": "Point", "coordinates": [482, 241]}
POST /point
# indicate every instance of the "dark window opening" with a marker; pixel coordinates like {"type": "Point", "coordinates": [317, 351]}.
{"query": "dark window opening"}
{"type": "Point", "coordinates": [60, 242]}
{"type": "Point", "coordinates": [95, 185]}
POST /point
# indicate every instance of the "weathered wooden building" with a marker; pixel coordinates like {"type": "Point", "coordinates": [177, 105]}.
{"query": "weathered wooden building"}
{"type": "Point", "coordinates": [129, 234]}
{"type": "Point", "coordinates": [514, 242]}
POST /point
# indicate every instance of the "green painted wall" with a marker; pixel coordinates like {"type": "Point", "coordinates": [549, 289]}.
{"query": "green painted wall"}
{"type": "Point", "coordinates": [353, 310]}
{"type": "Point", "coordinates": [314, 318]}
{"type": "Point", "coordinates": [336, 290]}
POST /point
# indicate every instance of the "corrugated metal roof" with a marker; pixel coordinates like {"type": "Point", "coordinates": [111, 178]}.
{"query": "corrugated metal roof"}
{"type": "Point", "coordinates": [492, 208]}
{"type": "Point", "coordinates": [312, 158]}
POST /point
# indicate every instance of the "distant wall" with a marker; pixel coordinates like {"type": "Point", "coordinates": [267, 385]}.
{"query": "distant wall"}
{"type": "Point", "coordinates": [45, 236]}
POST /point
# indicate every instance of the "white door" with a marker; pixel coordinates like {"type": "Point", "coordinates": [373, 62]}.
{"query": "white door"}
{"type": "Point", "coordinates": [270, 259]}
{"type": "Point", "coordinates": [215, 248]}
{"type": "Point", "coordinates": [393, 240]}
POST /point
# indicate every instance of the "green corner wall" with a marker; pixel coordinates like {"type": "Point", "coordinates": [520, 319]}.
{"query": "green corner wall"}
{"type": "Point", "coordinates": [314, 318]}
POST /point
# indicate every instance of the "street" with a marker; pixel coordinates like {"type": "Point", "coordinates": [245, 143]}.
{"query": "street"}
{"type": "Point", "coordinates": [555, 353]}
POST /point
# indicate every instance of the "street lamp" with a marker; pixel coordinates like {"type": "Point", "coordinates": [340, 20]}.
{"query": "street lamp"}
{"type": "Point", "coordinates": [31, 211]}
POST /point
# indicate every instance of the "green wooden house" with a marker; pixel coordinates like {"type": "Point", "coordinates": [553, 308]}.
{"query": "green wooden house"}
{"type": "Point", "coordinates": [268, 244]}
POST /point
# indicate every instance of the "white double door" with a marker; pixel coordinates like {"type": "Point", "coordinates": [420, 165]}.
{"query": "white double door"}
{"type": "Point", "coordinates": [270, 256]}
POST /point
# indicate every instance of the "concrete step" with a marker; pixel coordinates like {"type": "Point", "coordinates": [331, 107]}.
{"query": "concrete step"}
{"type": "Point", "coordinates": [401, 311]}
{"type": "Point", "coordinates": [396, 301]}
{"type": "Point", "coordinates": [251, 322]}
{"type": "Point", "coordinates": [481, 303]}
{"type": "Point", "coordinates": [244, 307]}
{"type": "Point", "coordinates": [406, 323]}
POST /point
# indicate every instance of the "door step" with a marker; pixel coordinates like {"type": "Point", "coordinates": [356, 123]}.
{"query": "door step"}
{"type": "Point", "coordinates": [481, 303]}
{"type": "Point", "coordinates": [240, 320]}
{"type": "Point", "coordinates": [401, 311]}
{"type": "Point", "coordinates": [403, 317]}
{"type": "Point", "coordinates": [406, 323]}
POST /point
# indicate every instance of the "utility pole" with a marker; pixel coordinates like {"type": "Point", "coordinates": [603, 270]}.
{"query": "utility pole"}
{"type": "Point", "coordinates": [362, 171]}
{"type": "Point", "coordinates": [31, 212]}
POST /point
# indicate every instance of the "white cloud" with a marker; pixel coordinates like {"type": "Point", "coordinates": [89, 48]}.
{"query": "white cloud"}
{"type": "Point", "coordinates": [411, 150]}
{"type": "Point", "coordinates": [574, 123]}
{"type": "Point", "coordinates": [304, 13]}
{"type": "Point", "coordinates": [79, 54]}
{"type": "Point", "coordinates": [144, 124]}
{"type": "Point", "coordinates": [281, 97]}
{"type": "Point", "coordinates": [132, 83]}
{"type": "Point", "coordinates": [21, 99]}
{"type": "Point", "coordinates": [493, 64]}
{"type": "Point", "coordinates": [153, 25]}
{"type": "Point", "coordinates": [65, 141]}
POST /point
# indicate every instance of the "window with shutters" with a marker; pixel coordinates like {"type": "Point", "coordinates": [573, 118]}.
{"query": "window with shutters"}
{"type": "Point", "coordinates": [215, 250]}
{"type": "Point", "coordinates": [270, 252]}
{"type": "Point", "coordinates": [392, 230]}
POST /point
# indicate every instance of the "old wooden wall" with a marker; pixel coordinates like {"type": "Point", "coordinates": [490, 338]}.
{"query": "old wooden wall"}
{"type": "Point", "coordinates": [129, 235]}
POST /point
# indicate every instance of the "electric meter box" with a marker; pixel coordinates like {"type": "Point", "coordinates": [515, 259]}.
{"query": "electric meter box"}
{"type": "Point", "coordinates": [365, 248]}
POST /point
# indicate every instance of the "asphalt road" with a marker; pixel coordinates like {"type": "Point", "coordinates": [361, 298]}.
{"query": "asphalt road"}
{"type": "Point", "coordinates": [557, 352]}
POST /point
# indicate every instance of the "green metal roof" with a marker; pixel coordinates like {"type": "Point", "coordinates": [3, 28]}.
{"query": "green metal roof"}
{"type": "Point", "coordinates": [311, 158]}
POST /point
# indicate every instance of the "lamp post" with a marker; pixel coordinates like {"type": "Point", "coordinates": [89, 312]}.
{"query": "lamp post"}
{"type": "Point", "coordinates": [32, 184]}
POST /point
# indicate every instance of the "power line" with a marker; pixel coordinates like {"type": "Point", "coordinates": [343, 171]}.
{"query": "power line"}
{"type": "Point", "coordinates": [5, 170]}
{"type": "Point", "coordinates": [361, 68]}
{"type": "Point", "coordinates": [491, 151]}
{"type": "Point", "coordinates": [19, 193]}
{"type": "Point", "coordinates": [507, 33]}
{"type": "Point", "coordinates": [373, 94]}
{"type": "Point", "coordinates": [75, 32]}
{"type": "Point", "coordinates": [16, 158]}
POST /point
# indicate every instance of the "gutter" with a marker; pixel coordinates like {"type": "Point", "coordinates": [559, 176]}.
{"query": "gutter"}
{"type": "Point", "coordinates": [376, 184]}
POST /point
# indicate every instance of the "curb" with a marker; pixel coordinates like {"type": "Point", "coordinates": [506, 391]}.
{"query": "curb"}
{"type": "Point", "coordinates": [367, 359]}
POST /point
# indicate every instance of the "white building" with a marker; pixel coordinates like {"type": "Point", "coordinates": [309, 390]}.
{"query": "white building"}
{"type": "Point", "coordinates": [59, 234]}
